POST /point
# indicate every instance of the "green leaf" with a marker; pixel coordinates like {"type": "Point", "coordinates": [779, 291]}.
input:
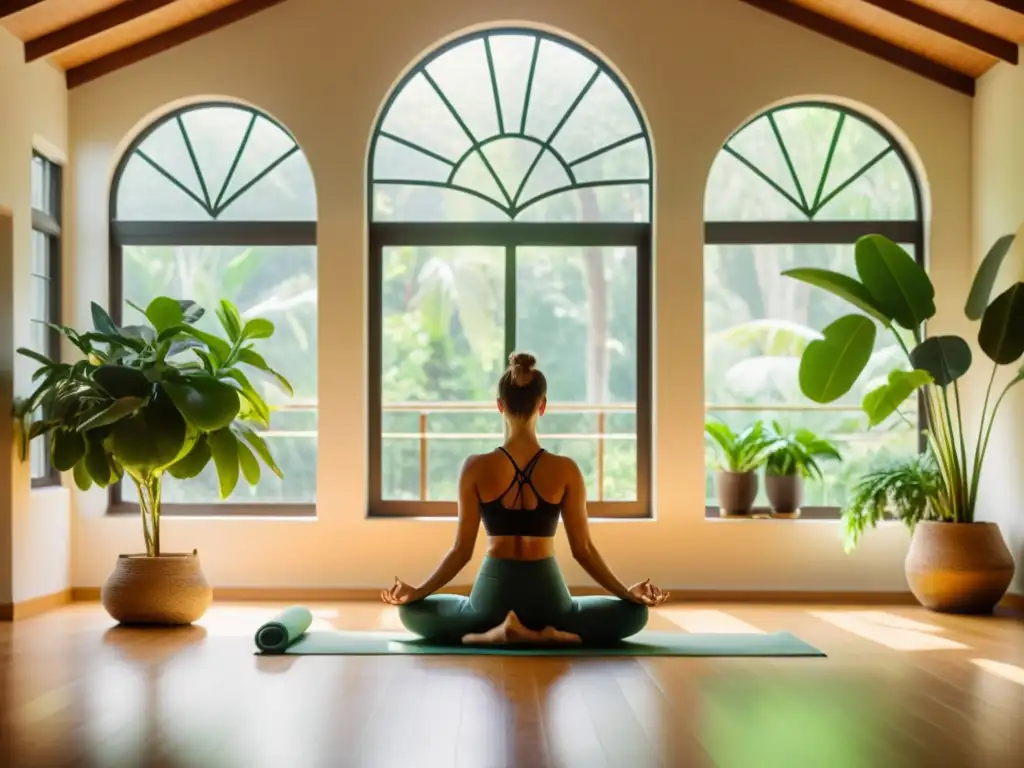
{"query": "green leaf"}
{"type": "Point", "coordinates": [1002, 326]}
{"type": "Point", "coordinates": [258, 445]}
{"type": "Point", "coordinates": [81, 475]}
{"type": "Point", "coordinates": [844, 287]}
{"type": "Point", "coordinates": [215, 344]}
{"type": "Point", "coordinates": [230, 319]}
{"type": "Point", "coordinates": [250, 467]}
{"type": "Point", "coordinates": [193, 462]}
{"type": "Point", "coordinates": [67, 449]}
{"type": "Point", "coordinates": [207, 403]}
{"type": "Point", "coordinates": [946, 358]}
{"type": "Point", "coordinates": [120, 381]}
{"type": "Point", "coordinates": [102, 322]}
{"type": "Point", "coordinates": [150, 440]}
{"type": "Point", "coordinates": [140, 333]}
{"type": "Point", "coordinates": [250, 394]}
{"type": "Point", "coordinates": [830, 366]}
{"type": "Point", "coordinates": [985, 277]}
{"type": "Point", "coordinates": [41, 359]}
{"type": "Point", "coordinates": [882, 402]}
{"type": "Point", "coordinates": [249, 357]}
{"type": "Point", "coordinates": [135, 306]}
{"type": "Point", "coordinates": [224, 447]}
{"type": "Point", "coordinates": [97, 462]}
{"type": "Point", "coordinates": [258, 328]}
{"type": "Point", "coordinates": [898, 284]}
{"type": "Point", "coordinates": [114, 412]}
{"type": "Point", "coordinates": [164, 313]}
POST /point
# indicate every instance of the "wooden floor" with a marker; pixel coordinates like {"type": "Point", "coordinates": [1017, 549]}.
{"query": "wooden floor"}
{"type": "Point", "coordinates": [900, 687]}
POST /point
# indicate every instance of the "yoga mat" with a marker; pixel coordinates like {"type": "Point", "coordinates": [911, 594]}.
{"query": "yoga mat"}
{"type": "Point", "coordinates": [281, 632]}
{"type": "Point", "coordinates": [644, 644]}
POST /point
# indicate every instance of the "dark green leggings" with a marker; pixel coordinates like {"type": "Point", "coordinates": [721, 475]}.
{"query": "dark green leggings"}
{"type": "Point", "coordinates": [536, 591]}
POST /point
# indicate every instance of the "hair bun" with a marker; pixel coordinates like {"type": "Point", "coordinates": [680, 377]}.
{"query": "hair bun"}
{"type": "Point", "coordinates": [524, 361]}
{"type": "Point", "coordinates": [521, 366]}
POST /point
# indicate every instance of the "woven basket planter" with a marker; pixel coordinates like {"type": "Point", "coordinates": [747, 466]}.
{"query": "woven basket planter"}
{"type": "Point", "coordinates": [958, 567]}
{"type": "Point", "coordinates": [166, 590]}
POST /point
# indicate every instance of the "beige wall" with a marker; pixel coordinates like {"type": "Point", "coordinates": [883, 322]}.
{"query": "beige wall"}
{"type": "Point", "coordinates": [699, 68]}
{"type": "Point", "coordinates": [35, 526]}
{"type": "Point", "coordinates": [998, 206]}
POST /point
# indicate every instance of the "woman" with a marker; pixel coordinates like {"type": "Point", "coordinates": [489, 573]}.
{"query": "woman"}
{"type": "Point", "coordinates": [520, 596]}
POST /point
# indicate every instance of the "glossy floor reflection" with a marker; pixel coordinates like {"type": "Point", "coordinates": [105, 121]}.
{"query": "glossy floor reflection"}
{"type": "Point", "coordinates": [901, 687]}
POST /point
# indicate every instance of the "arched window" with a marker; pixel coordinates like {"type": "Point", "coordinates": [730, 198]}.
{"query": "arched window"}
{"type": "Point", "coordinates": [797, 186]}
{"type": "Point", "coordinates": [215, 201]}
{"type": "Point", "coordinates": [510, 209]}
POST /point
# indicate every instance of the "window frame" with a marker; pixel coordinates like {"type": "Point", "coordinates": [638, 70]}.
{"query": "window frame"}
{"type": "Point", "coordinates": [195, 233]}
{"type": "Point", "coordinates": [48, 223]}
{"type": "Point", "coordinates": [509, 234]}
{"type": "Point", "coordinates": [838, 232]}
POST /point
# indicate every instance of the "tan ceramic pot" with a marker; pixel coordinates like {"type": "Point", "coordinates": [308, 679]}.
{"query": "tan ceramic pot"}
{"type": "Point", "coordinates": [785, 494]}
{"type": "Point", "coordinates": [736, 492]}
{"type": "Point", "coordinates": [958, 567]}
{"type": "Point", "coordinates": [168, 589]}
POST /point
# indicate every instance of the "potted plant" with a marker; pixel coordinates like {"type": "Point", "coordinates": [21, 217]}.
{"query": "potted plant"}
{"type": "Point", "coordinates": [740, 455]}
{"type": "Point", "coordinates": [144, 401]}
{"type": "Point", "coordinates": [955, 563]}
{"type": "Point", "coordinates": [793, 456]}
{"type": "Point", "coordinates": [902, 490]}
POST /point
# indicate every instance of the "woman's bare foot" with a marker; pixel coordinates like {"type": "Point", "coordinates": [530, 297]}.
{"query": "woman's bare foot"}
{"type": "Point", "coordinates": [513, 632]}
{"type": "Point", "coordinates": [552, 635]}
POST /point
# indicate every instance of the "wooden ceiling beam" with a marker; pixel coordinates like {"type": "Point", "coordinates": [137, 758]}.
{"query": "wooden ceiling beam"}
{"type": "Point", "coordinates": [11, 7]}
{"type": "Point", "coordinates": [112, 62]}
{"type": "Point", "coordinates": [90, 26]}
{"type": "Point", "coordinates": [949, 27]}
{"type": "Point", "coordinates": [1010, 5]}
{"type": "Point", "coordinates": [866, 43]}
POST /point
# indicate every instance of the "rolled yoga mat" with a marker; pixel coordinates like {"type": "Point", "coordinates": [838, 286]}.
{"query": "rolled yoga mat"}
{"type": "Point", "coordinates": [284, 630]}
{"type": "Point", "coordinates": [649, 643]}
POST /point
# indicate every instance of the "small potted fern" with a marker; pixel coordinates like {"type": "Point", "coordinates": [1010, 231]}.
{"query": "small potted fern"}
{"type": "Point", "coordinates": [904, 490]}
{"type": "Point", "coordinates": [793, 457]}
{"type": "Point", "coordinates": [740, 456]}
{"type": "Point", "coordinates": [162, 397]}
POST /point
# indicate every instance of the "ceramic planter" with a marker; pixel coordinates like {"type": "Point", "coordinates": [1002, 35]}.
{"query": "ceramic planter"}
{"type": "Point", "coordinates": [958, 567]}
{"type": "Point", "coordinates": [736, 492]}
{"type": "Point", "coordinates": [785, 494]}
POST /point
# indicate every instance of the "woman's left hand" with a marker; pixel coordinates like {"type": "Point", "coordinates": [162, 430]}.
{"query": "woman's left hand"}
{"type": "Point", "coordinates": [400, 594]}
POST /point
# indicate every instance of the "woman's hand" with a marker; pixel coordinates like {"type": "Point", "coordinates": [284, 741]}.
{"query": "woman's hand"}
{"type": "Point", "coordinates": [401, 593]}
{"type": "Point", "coordinates": [647, 594]}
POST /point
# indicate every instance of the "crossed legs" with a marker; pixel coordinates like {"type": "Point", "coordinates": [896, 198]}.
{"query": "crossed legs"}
{"type": "Point", "coordinates": [589, 620]}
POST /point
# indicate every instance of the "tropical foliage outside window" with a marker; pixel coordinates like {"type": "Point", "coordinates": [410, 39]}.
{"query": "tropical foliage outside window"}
{"type": "Point", "coordinates": [217, 201]}
{"type": "Point", "coordinates": [797, 186]}
{"type": "Point", "coordinates": [510, 185]}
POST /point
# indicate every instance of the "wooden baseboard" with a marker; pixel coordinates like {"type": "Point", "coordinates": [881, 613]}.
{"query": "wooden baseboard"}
{"type": "Point", "coordinates": [344, 595]}
{"type": "Point", "coordinates": [37, 605]}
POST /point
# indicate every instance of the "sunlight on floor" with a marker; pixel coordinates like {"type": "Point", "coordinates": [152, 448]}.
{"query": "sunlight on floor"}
{"type": "Point", "coordinates": [240, 621]}
{"type": "Point", "coordinates": [710, 621]}
{"type": "Point", "coordinates": [889, 630]}
{"type": "Point", "coordinates": [1010, 672]}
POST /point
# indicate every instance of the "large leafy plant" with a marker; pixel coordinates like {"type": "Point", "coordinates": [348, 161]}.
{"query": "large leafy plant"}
{"type": "Point", "coordinates": [739, 452]}
{"type": "Point", "coordinates": [155, 398]}
{"type": "Point", "coordinates": [798, 452]}
{"type": "Point", "coordinates": [893, 291]}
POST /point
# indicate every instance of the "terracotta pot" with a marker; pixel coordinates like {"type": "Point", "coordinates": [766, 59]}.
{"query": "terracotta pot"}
{"type": "Point", "coordinates": [785, 494]}
{"type": "Point", "coordinates": [958, 567]}
{"type": "Point", "coordinates": [169, 589]}
{"type": "Point", "coordinates": [736, 492]}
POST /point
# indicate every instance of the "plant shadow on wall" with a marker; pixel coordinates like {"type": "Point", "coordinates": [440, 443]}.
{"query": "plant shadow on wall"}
{"type": "Point", "coordinates": [955, 563]}
{"type": "Point", "coordinates": [148, 400]}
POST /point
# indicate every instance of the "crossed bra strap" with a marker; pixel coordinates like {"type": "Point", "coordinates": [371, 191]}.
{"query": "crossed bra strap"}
{"type": "Point", "coordinates": [522, 476]}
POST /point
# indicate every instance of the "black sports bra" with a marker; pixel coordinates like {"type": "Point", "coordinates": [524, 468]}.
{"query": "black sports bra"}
{"type": "Point", "coordinates": [541, 521]}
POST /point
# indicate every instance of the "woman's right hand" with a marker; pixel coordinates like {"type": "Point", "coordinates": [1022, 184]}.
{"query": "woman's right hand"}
{"type": "Point", "coordinates": [400, 594]}
{"type": "Point", "coordinates": [647, 594]}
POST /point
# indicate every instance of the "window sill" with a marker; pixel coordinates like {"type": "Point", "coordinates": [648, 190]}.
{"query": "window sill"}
{"type": "Point", "coordinates": [764, 514]}
{"type": "Point", "coordinates": [305, 512]}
